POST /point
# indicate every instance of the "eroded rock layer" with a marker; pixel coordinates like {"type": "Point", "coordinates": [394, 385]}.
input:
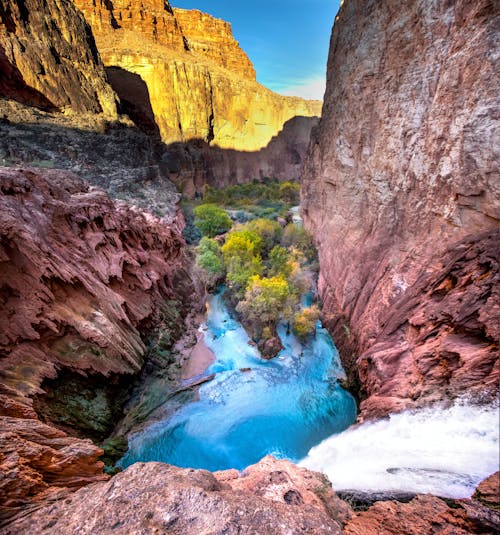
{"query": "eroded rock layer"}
{"type": "Point", "coordinates": [270, 497]}
{"type": "Point", "coordinates": [402, 193]}
{"type": "Point", "coordinates": [201, 89]}
{"type": "Point", "coordinates": [48, 58]}
{"type": "Point", "coordinates": [83, 280]}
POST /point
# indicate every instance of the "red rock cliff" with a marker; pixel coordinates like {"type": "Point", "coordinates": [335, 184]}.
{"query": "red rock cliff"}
{"type": "Point", "coordinates": [83, 280]}
{"type": "Point", "coordinates": [48, 58]}
{"type": "Point", "coordinates": [401, 191]}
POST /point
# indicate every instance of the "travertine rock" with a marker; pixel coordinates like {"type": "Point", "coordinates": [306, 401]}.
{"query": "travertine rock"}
{"type": "Point", "coordinates": [205, 91]}
{"type": "Point", "coordinates": [403, 168]}
{"type": "Point", "coordinates": [48, 58]}
{"type": "Point", "coordinates": [82, 280]}
{"type": "Point", "coordinates": [424, 515]}
{"type": "Point", "coordinates": [271, 497]}
{"type": "Point", "coordinates": [488, 492]}
{"type": "Point", "coordinates": [275, 497]}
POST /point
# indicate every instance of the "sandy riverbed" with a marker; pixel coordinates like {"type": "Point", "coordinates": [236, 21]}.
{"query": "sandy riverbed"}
{"type": "Point", "coordinates": [199, 359]}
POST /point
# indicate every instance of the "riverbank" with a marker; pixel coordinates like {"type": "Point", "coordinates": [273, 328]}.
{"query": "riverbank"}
{"type": "Point", "coordinates": [199, 357]}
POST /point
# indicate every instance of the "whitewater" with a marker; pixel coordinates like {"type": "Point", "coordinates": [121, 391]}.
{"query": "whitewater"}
{"type": "Point", "coordinates": [440, 450]}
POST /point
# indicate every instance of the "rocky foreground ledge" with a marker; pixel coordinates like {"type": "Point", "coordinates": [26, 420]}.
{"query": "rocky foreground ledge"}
{"type": "Point", "coordinates": [274, 497]}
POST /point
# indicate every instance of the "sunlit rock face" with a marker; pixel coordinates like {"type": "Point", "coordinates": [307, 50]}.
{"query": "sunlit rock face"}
{"type": "Point", "coordinates": [48, 58]}
{"type": "Point", "coordinates": [213, 38]}
{"type": "Point", "coordinates": [83, 280]}
{"type": "Point", "coordinates": [401, 191]}
{"type": "Point", "coordinates": [200, 84]}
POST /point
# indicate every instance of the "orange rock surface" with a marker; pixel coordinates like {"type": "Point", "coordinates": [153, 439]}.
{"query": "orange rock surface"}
{"type": "Point", "coordinates": [200, 84]}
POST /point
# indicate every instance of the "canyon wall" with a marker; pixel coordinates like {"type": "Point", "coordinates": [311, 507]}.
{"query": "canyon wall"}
{"type": "Point", "coordinates": [402, 193]}
{"type": "Point", "coordinates": [198, 83]}
{"type": "Point", "coordinates": [86, 284]}
{"type": "Point", "coordinates": [48, 58]}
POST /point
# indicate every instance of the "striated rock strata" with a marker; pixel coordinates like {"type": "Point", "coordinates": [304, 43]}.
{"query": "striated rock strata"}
{"type": "Point", "coordinates": [270, 497]}
{"type": "Point", "coordinates": [401, 191]}
{"type": "Point", "coordinates": [48, 58]}
{"type": "Point", "coordinates": [83, 282]}
{"type": "Point", "coordinates": [200, 84]}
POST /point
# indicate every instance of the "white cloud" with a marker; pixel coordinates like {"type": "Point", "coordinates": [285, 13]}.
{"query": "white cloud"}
{"type": "Point", "coordinates": [314, 88]}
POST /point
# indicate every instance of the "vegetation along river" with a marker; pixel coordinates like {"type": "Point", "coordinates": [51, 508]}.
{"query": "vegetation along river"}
{"type": "Point", "coordinates": [253, 407]}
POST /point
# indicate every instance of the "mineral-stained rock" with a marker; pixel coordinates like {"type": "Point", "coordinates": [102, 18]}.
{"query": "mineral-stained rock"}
{"type": "Point", "coordinates": [82, 280]}
{"type": "Point", "coordinates": [204, 89]}
{"type": "Point", "coordinates": [424, 515]}
{"type": "Point", "coordinates": [48, 58]}
{"type": "Point", "coordinates": [488, 492]}
{"type": "Point", "coordinates": [271, 497]}
{"type": "Point", "coordinates": [401, 192]}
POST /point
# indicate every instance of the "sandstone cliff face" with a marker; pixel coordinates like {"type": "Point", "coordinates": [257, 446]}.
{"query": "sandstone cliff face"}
{"type": "Point", "coordinates": [83, 280]}
{"type": "Point", "coordinates": [213, 38]}
{"type": "Point", "coordinates": [48, 58]}
{"type": "Point", "coordinates": [401, 191]}
{"type": "Point", "coordinates": [193, 93]}
{"type": "Point", "coordinates": [270, 497]}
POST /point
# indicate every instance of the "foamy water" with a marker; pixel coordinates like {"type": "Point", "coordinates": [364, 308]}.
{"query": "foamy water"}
{"type": "Point", "coordinates": [443, 451]}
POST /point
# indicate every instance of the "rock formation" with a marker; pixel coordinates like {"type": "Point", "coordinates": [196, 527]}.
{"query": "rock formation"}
{"type": "Point", "coordinates": [48, 58]}
{"type": "Point", "coordinates": [200, 84]}
{"type": "Point", "coordinates": [213, 38]}
{"type": "Point", "coordinates": [270, 497]}
{"type": "Point", "coordinates": [193, 165]}
{"type": "Point", "coordinates": [83, 282]}
{"type": "Point", "coordinates": [401, 191]}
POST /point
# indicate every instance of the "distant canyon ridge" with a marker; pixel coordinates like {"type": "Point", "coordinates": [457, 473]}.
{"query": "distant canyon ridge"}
{"type": "Point", "coordinates": [179, 75]}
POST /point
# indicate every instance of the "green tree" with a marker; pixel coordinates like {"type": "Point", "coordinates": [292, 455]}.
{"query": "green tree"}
{"type": "Point", "coordinates": [211, 220]}
{"type": "Point", "coordinates": [209, 260]}
{"type": "Point", "coordinates": [304, 322]}
{"type": "Point", "coordinates": [267, 300]}
{"type": "Point", "coordinates": [297, 236]}
{"type": "Point", "coordinates": [269, 232]}
{"type": "Point", "coordinates": [279, 262]}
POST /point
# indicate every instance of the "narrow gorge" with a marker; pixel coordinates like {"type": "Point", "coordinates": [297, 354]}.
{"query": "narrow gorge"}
{"type": "Point", "coordinates": [225, 310]}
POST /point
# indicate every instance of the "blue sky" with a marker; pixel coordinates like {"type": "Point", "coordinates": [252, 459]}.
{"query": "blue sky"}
{"type": "Point", "coordinates": [287, 40]}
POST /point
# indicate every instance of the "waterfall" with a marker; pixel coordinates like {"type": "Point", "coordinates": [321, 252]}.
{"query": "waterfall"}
{"type": "Point", "coordinates": [443, 451]}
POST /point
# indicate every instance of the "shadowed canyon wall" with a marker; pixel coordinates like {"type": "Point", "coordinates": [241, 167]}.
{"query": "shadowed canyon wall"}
{"type": "Point", "coordinates": [48, 58]}
{"type": "Point", "coordinates": [401, 191]}
{"type": "Point", "coordinates": [201, 85]}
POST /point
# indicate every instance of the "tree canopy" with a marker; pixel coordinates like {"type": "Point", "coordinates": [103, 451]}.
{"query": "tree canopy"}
{"type": "Point", "coordinates": [211, 220]}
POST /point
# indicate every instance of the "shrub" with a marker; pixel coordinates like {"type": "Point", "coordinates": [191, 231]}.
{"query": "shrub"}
{"type": "Point", "coordinates": [296, 236]}
{"type": "Point", "coordinates": [211, 220]}
{"type": "Point", "coordinates": [304, 322]}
